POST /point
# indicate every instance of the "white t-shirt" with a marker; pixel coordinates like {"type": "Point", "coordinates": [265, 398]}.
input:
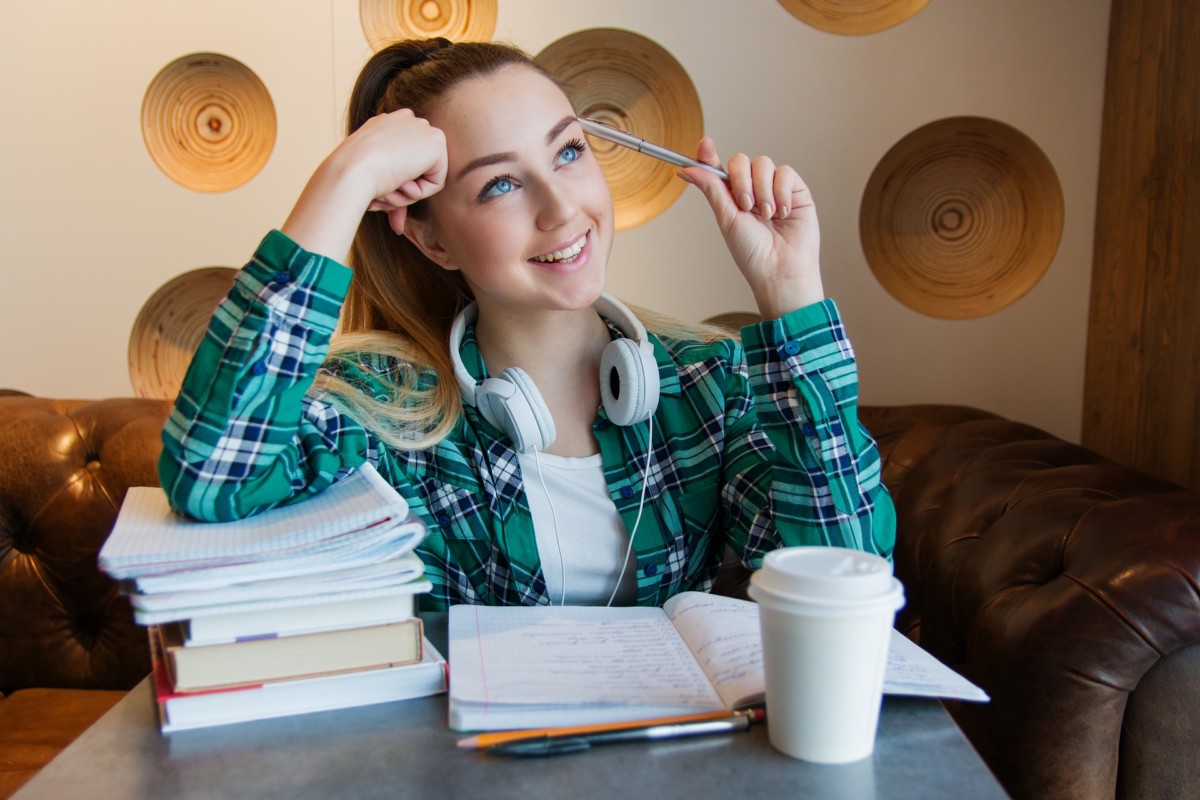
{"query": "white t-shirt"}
{"type": "Point", "coordinates": [579, 533]}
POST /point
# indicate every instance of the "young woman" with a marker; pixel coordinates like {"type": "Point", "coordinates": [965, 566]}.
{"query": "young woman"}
{"type": "Point", "coordinates": [473, 330]}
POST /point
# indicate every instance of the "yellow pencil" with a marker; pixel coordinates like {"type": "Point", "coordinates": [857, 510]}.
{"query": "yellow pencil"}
{"type": "Point", "coordinates": [485, 740]}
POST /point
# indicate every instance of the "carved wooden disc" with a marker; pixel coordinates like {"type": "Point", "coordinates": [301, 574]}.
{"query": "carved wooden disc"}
{"type": "Point", "coordinates": [169, 328]}
{"type": "Point", "coordinates": [853, 17]}
{"type": "Point", "coordinates": [961, 217]}
{"type": "Point", "coordinates": [632, 82]}
{"type": "Point", "coordinates": [208, 122]}
{"type": "Point", "coordinates": [387, 21]}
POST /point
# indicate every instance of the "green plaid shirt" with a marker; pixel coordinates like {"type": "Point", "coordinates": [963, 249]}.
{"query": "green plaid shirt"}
{"type": "Point", "coordinates": [756, 445]}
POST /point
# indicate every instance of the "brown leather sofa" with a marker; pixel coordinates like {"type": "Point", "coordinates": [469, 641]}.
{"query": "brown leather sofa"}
{"type": "Point", "coordinates": [1066, 586]}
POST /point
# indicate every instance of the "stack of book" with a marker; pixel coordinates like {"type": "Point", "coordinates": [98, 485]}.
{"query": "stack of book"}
{"type": "Point", "coordinates": [302, 608]}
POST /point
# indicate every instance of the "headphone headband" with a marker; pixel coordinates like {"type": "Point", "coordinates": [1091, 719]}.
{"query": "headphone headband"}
{"type": "Point", "coordinates": [466, 383]}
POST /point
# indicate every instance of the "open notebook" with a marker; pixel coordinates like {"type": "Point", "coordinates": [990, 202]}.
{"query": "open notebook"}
{"type": "Point", "coordinates": [516, 667]}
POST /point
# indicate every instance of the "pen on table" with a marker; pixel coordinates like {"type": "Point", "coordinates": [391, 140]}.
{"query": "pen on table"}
{"type": "Point", "coordinates": [549, 744]}
{"type": "Point", "coordinates": [481, 741]}
{"type": "Point", "coordinates": [611, 133]}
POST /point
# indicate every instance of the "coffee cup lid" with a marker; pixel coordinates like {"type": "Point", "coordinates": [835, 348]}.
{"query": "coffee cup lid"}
{"type": "Point", "coordinates": [825, 574]}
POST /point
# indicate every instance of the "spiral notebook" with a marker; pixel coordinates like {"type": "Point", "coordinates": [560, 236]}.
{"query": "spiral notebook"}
{"type": "Point", "coordinates": [150, 537]}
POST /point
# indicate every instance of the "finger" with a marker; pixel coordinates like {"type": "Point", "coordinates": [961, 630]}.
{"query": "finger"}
{"type": "Point", "coordinates": [790, 192]}
{"type": "Point", "coordinates": [762, 179]}
{"type": "Point", "coordinates": [706, 152]}
{"type": "Point", "coordinates": [421, 188]}
{"type": "Point", "coordinates": [785, 179]}
{"type": "Point", "coordinates": [741, 181]}
{"type": "Point", "coordinates": [389, 201]}
{"type": "Point", "coordinates": [715, 192]}
{"type": "Point", "coordinates": [397, 218]}
{"type": "Point", "coordinates": [394, 199]}
{"type": "Point", "coordinates": [410, 192]}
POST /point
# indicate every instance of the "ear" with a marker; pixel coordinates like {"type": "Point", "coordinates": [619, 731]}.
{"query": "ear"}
{"type": "Point", "coordinates": [422, 233]}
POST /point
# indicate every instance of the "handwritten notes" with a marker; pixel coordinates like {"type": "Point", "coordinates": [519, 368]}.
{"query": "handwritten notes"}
{"type": "Point", "coordinates": [723, 634]}
{"type": "Point", "coordinates": [577, 655]}
{"type": "Point", "coordinates": [533, 667]}
{"type": "Point", "coordinates": [912, 671]}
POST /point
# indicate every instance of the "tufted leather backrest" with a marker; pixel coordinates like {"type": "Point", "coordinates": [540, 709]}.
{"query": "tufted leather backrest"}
{"type": "Point", "coordinates": [1065, 585]}
{"type": "Point", "coordinates": [64, 469]}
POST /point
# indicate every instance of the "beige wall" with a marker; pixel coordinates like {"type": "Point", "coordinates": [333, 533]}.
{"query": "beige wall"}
{"type": "Point", "coordinates": [90, 227]}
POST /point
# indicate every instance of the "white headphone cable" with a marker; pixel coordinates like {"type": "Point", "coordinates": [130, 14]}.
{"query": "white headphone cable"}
{"type": "Point", "coordinates": [641, 507]}
{"type": "Point", "coordinates": [562, 567]}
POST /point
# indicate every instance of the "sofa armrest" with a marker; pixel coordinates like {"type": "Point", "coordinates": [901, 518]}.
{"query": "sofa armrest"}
{"type": "Point", "coordinates": [64, 469]}
{"type": "Point", "coordinates": [1058, 581]}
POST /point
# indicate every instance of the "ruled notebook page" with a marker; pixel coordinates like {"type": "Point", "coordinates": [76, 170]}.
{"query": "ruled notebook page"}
{"type": "Point", "coordinates": [575, 655]}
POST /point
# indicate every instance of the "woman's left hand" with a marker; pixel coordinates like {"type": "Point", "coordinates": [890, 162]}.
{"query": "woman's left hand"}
{"type": "Point", "coordinates": [769, 222]}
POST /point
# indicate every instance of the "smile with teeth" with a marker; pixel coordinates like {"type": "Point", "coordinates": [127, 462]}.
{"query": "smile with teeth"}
{"type": "Point", "coordinates": [566, 254]}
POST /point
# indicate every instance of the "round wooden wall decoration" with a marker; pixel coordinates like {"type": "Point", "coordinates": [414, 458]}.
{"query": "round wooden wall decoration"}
{"type": "Point", "coordinates": [387, 21]}
{"type": "Point", "coordinates": [208, 122]}
{"type": "Point", "coordinates": [169, 328]}
{"type": "Point", "coordinates": [853, 17]}
{"type": "Point", "coordinates": [961, 217]}
{"type": "Point", "coordinates": [633, 83]}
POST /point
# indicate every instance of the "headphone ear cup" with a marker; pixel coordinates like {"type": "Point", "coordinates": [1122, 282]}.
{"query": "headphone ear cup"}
{"type": "Point", "coordinates": [513, 404]}
{"type": "Point", "coordinates": [628, 383]}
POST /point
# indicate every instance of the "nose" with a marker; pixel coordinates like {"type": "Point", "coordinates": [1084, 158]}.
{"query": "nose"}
{"type": "Point", "coordinates": [557, 205]}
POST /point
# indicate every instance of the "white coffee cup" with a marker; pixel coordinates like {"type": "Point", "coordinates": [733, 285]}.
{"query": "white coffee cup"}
{"type": "Point", "coordinates": [826, 615]}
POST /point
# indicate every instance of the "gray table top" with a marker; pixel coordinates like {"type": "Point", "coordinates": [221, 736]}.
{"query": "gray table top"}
{"type": "Point", "coordinates": [406, 749]}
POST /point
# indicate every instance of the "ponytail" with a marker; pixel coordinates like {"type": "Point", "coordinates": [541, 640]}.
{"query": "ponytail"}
{"type": "Point", "coordinates": [379, 72]}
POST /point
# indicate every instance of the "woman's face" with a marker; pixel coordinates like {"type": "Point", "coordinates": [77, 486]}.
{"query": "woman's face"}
{"type": "Point", "coordinates": [525, 214]}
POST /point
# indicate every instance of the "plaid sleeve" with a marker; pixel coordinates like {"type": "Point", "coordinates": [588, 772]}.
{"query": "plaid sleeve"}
{"type": "Point", "coordinates": [805, 470]}
{"type": "Point", "coordinates": [242, 435]}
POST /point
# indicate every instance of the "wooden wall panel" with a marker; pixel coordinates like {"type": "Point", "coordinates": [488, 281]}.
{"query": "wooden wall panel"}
{"type": "Point", "coordinates": [1143, 360]}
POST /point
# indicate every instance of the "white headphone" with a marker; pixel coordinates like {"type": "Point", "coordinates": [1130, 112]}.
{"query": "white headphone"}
{"type": "Point", "coordinates": [628, 382]}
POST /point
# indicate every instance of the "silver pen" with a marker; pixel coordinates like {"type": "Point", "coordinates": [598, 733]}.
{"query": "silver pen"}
{"type": "Point", "coordinates": [611, 133]}
{"type": "Point", "coordinates": [651, 730]}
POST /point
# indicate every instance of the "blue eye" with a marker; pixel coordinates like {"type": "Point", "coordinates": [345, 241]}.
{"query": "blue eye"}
{"type": "Point", "coordinates": [571, 151]}
{"type": "Point", "coordinates": [497, 186]}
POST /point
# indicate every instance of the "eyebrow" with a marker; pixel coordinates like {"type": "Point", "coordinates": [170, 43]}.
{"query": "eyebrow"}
{"type": "Point", "coordinates": [500, 158]}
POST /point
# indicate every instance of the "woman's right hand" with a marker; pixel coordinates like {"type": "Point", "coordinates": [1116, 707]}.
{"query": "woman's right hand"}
{"type": "Point", "coordinates": [391, 162]}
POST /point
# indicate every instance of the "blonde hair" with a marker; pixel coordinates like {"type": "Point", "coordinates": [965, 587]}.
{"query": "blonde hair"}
{"type": "Point", "coordinates": [400, 305]}
{"type": "Point", "coordinates": [667, 327]}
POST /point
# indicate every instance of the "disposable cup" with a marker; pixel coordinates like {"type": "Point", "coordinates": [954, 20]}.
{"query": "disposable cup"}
{"type": "Point", "coordinates": [826, 615]}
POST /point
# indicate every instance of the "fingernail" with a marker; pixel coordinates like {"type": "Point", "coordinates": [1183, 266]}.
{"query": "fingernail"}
{"type": "Point", "coordinates": [783, 212]}
{"type": "Point", "coordinates": [768, 211]}
{"type": "Point", "coordinates": [745, 202]}
{"type": "Point", "coordinates": [683, 176]}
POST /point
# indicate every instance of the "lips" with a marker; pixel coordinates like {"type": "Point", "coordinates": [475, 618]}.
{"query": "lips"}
{"type": "Point", "coordinates": [568, 253]}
